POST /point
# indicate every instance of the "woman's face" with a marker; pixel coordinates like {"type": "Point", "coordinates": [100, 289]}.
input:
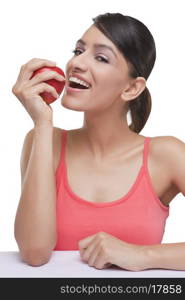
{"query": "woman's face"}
{"type": "Point", "coordinates": [98, 63]}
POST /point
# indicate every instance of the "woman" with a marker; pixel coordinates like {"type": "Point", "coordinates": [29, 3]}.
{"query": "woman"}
{"type": "Point", "coordinates": [102, 189]}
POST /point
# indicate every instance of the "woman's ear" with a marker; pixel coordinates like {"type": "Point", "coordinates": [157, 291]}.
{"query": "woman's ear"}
{"type": "Point", "coordinates": [135, 88]}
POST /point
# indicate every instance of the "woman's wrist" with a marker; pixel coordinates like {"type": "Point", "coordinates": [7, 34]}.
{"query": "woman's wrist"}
{"type": "Point", "coordinates": [43, 124]}
{"type": "Point", "coordinates": [152, 256]}
{"type": "Point", "coordinates": [147, 257]}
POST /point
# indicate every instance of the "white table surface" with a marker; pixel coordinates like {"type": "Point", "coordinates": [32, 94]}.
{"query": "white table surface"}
{"type": "Point", "coordinates": [69, 264]}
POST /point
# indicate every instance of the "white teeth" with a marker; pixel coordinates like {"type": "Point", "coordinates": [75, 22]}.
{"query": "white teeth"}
{"type": "Point", "coordinates": [74, 79]}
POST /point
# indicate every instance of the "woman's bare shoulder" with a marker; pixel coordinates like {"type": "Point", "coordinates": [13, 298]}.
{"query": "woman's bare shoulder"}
{"type": "Point", "coordinates": [166, 145]}
{"type": "Point", "coordinates": [167, 148]}
{"type": "Point", "coordinates": [169, 151]}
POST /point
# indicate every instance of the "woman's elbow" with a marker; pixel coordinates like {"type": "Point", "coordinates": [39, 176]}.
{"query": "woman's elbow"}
{"type": "Point", "coordinates": [36, 257]}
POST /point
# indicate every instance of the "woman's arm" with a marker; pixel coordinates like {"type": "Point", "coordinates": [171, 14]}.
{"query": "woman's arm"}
{"type": "Point", "coordinates": [35, 223]}
{"type": "Point", "coordinates": [35, 228]}
{"type": "Point", "coordinates": [101, 249]}
{"type": "Point", "coordinates": [166, 256]}
{"type": "Point", "coordinates": [172, 255]}
{"type": "Point", "coordinates": [176, 157]}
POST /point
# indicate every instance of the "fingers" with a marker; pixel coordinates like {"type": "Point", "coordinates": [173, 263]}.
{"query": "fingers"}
{"type": "Point", "coordinates": [32, 65]}
{"type": "Point", "coordinates": [99, 261]}
{"type": "Point", "coordinates": [82, 244]}
{"type": "Point", "coordinates": [89, 251]}
{"type": "Point", "coordinates": [93, 256]}
{"type": "Point", "coordinates": [44, 76]}
{"type": "Point", "coordinates": [44, 87]}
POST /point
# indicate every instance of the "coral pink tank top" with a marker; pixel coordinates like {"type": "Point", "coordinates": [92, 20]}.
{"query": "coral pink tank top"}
{"type": "Point", "coordinates": [138, 217]}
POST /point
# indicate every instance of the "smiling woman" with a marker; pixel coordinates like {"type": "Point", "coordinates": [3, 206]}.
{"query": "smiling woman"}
{"type": "Point", "coordinates": [135, 42]}
{"type": "Point", "coordinates": [103, 189]}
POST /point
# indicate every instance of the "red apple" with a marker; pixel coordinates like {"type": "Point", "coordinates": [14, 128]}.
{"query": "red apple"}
{"type": "Point", "coordinates": [58, 85]}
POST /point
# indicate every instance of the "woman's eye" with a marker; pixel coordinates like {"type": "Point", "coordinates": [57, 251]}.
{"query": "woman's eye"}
{"type": "Point", "coordinates": [77, 51]}
{"type": "Point", "coordinates": [101, 58]}
{"type": "Point", "coordinates": [98, 57]}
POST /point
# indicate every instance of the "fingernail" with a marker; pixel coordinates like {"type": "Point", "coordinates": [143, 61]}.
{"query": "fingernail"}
{"type": "Point", "coordinates": [62, 78]}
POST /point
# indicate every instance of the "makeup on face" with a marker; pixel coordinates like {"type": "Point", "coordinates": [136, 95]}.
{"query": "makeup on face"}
{"type": "Point", "coordinates": [77, 83]}
{"type": "Point", "coordinates": [97, 46]}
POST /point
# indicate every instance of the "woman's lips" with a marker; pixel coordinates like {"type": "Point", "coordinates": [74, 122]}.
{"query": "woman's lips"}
{"type": "Point", "coordinates": [72, 90]}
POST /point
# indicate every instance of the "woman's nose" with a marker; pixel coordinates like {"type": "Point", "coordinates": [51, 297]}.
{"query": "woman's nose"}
{"type": "Point", "coordinates": [80, 62]}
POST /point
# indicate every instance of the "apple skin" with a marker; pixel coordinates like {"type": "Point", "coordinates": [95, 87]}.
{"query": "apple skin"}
{"type": "Point", "coordinates": [58, 85]}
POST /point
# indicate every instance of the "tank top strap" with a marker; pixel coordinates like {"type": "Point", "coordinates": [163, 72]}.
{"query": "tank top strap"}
{"type": "Point", "coordinates": [146, 152]}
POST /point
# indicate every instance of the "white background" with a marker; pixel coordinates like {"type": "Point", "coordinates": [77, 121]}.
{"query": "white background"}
{"type": "Point", "coordinates": [49, 29]}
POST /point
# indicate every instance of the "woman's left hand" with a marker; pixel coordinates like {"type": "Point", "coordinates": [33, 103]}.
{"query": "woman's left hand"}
{"type": "Point", "coordinates": [102, 250]}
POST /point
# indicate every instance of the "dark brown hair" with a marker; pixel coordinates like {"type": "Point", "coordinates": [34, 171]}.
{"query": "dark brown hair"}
{"type": "Point", "coordinates": [137, 45]}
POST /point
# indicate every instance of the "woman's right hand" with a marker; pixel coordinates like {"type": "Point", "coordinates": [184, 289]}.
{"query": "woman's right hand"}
{"type": "Point", "coordinates": [27, 89]}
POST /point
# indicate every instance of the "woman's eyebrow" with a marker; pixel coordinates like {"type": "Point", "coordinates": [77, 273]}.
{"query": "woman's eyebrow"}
{"type": "Point", "coordinates": [80, 41]}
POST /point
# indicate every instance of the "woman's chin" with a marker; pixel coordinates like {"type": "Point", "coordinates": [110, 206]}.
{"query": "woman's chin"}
{"type": "Point", "coordinates": [70, 104]}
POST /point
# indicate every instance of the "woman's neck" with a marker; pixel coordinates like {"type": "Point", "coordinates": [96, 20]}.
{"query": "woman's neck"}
{"type": "Point", "coordinates": [105, 137]}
